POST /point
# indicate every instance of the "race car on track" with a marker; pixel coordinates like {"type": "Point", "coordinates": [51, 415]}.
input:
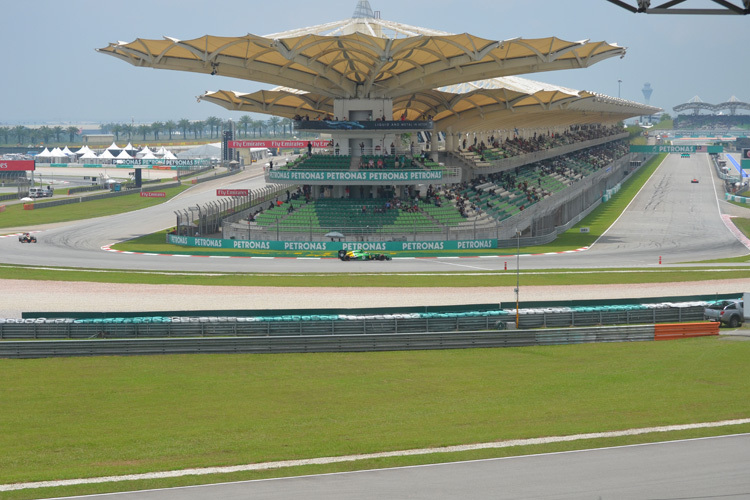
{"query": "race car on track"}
{"type": "Point", "coordinates": [361, 255]}
{"type": "Point", "coordinates": [26, 238]}
{"type": "Point", "coordinates": [694, 181]}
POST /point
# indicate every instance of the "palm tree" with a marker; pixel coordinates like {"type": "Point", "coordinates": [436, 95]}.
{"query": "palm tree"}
{"type": "Point", "coordinates": [211, 122]}
{"type": "Point", "coordinates": [156, 128]}
{"type": "Point", "coordinates": [197, 128]}
{"type": "Point", "coordinates": [184, 125]}
{"type": "Point", "coordinates": [20, 132]}
{"type": "Point", "coordinates": [273, 123]}
{"type": "Point", "coordinates": [129, 129]}
{"type": "Point", "coordinates": [45, 132]}
{"type": "Point", "coordinates": [286, 122]}
{"type": "Point", "coordinates": [72, 132]}
{"type": "Point", "coordinates": [245, 121]}
{"type": "Point", "coordinates": [56, 131]}
{"type": "Point", "coordinates": [170, 125]}
{"type": "Point", "coordinates": [5, 132]}
{"type": "Point", "coordinates": [144, 129]}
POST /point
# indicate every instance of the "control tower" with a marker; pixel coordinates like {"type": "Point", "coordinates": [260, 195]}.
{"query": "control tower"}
{"type": "Point", "coordinates": [647, 91]}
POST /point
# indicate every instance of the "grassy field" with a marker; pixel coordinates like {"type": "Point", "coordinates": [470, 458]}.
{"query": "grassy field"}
{"type": "Point", "coordinates": [119, 415]}
{"type": "Point", "coordinates": [546, 277]}
{"type": "Point", "coordinates": [15, 216]}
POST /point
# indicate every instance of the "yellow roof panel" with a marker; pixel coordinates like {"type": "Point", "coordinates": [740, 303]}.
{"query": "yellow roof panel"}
{"type": "Point", "coordinates": [361, 65]}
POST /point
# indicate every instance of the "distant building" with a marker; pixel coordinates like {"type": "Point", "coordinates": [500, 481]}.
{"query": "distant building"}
{"type": "Point", "coordinates": [98, 139]}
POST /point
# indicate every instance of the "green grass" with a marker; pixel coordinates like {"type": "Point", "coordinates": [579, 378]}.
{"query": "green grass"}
{"type": "Point", "coordinates": [547, 277]}
{"type": "Point", "coordinates": [87, 417]}
{"type": "Point", "coordinates": [16, 216]}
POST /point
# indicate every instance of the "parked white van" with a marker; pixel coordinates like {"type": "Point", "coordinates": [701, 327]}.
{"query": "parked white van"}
{"type": "Point", "coordinates": [37, 192]}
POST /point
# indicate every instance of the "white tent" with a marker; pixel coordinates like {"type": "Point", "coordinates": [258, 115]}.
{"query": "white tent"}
{"type": "Point", "coordinates": [148, 156]}
{"type": "Point", "coordinates": [162, 151]}
{"type": "Point", "coordinates": [106, 155]}
{"type": "Point", "coordinates": [84, 149]}
{"type": "Point", "coordinates": [129, 147]}
{"type": "Point", "coordinates": [44, 154]}
{"type": "Point", "coordinates": [57, 153]}
{"type": "Point", "coordinates": [67, 152]}
{"type": "Point", "coordinates": [169, 156]}
{"type": "Point", "coordinates": [124, 155]}
{"type": "Point", "coordinates": [113, 146]}
{"type": "Point", "coordinates": [89, 155]}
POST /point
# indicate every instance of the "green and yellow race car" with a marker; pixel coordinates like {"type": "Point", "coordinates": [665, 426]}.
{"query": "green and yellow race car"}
{"type": "Point", "coordinates": [361, 255]}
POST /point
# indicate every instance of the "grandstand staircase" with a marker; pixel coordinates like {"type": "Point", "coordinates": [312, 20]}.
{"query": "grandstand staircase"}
{"type": "Point", "coordinates": [354, 163]}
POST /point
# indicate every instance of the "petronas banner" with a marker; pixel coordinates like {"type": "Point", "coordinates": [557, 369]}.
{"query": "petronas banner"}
{"type": "Point", "coordinates": [664, 148]}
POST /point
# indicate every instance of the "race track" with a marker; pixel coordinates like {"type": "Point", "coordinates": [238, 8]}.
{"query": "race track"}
{"type": "Point", "coordinates": [699, 468]}
{"type": "Point", "coordinates": [670, 218]}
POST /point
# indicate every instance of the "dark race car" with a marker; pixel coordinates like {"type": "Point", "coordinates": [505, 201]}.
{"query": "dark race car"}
{"type": "Point", "coordinates": [26, 238]}
{"type": "Point", "coordinates": [361, 255]}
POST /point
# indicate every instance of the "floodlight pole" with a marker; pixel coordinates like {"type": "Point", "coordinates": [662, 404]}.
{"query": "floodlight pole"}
{"type": "Point", "coordinates": [518, 271]}
{"type": "Point", "coordinates": [619, 85]}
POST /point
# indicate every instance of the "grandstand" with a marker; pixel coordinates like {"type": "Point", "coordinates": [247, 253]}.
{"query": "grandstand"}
{"type": "Point", "coordinates": [405, 82]}
{"type": "Point", "coordinates": [484, 201]}
{"type": "Point", "coordinates": [716, 119]}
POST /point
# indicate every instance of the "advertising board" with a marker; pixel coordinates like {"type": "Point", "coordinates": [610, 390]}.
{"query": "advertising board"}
{"type": "Point", "coordinates": [333, 246]}
{"type": "Point", "coordinates": [17, 165]}
{"type": "Point", "coordinates": [277, 144]}
{"type": "Point", "coordinates": [664, 148]}
{"type": "Point", "coordinates": [355, 176]}
{"type": "Point", "coordinates": [153, 194]}
{"type": "Point", "coordinates": [232, 192]}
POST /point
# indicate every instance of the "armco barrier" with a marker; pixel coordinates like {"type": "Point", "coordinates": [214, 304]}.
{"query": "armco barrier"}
{"type": "Point", "coordinates": [323, 324]}
{"type": "Point", "coordinates": [685, 330]}
{"type": "Point", "coordinates": [214, 327]}
{"type": "Point", "coordinates": [323, 343]}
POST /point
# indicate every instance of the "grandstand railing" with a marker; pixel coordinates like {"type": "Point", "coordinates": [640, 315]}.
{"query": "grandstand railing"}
{"type": "Point", "coordinates": [526, 159]}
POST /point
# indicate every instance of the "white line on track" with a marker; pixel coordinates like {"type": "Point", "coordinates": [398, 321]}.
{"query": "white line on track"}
{"type": "Point", "coordinates": [631, 202]}
{"type": "Point", "coordinates": [369, 456]}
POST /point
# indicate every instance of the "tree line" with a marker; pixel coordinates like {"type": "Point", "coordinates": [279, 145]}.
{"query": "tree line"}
{"type": "Point", "coordinates": [211, 127]}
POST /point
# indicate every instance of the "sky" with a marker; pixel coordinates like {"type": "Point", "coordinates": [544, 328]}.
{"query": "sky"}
{"type": "Point", "coordinates": [51, 73]}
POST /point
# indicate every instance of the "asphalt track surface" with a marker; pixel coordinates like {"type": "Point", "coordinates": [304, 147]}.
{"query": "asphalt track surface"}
{"type": "Point", "coordinates": [707, 468]}
{"type": "Point", "coordinates": [671, 218]}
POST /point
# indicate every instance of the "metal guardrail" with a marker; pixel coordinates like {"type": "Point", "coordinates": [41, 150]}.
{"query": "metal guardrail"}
{"type": "Point", "coordinates": [41, 329]}
{"type": "Point", "coordinates": [325, 343]}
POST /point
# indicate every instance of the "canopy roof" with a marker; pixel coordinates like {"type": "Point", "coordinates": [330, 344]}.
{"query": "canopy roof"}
{"type": "Point", "coordinates": [489, 104]}
{"type": "Point", "coordinates": [362, 64]}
